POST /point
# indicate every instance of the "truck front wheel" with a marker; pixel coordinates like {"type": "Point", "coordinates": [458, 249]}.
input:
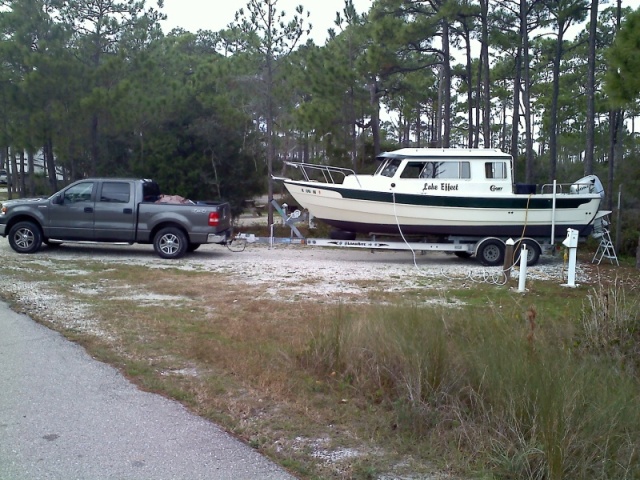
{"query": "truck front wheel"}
{"type": "Point", "coordinates": [170, 242]}
{"type": "Point", "coordinates": [25, 237]}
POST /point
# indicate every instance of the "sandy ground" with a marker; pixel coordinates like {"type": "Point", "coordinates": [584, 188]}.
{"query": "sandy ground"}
{"type": "Point", "coordinates": [288, 271]}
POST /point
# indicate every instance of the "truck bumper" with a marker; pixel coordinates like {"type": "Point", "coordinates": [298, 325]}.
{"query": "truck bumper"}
{"type": "Point", "coordinates": [3, 227]}
{"type": "Point", "coordinates": [222, 237]}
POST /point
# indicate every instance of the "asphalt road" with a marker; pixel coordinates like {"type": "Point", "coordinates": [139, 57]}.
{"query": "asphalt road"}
{"type": "Point", "coordinates": [66, 416]}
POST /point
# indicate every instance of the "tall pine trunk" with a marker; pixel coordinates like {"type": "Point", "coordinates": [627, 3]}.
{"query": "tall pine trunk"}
{"type": "Point", "coordinates": [591, 90]}
{"type": "Point", "coordinates": [526, 93]}
{"type": "Point", "coordinates": [553, 121]}
{"type": "Point", "coordinates": [486, 90]}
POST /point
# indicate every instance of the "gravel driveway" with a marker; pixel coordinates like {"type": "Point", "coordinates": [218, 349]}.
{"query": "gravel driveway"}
{"type": "Point", "coordinates": [288, 272]}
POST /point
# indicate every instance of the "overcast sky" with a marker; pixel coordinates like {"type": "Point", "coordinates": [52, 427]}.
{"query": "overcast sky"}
{"type": "Point", "coordinates": [215, 15]}
{"type": "Point", "coordinates": [194, 15]}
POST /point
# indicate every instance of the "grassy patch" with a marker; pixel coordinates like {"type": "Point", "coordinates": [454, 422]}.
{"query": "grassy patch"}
{"type": "Point", "coordinates": [533, 395]}
{"type": "Point", "coordinates": [472, 379]}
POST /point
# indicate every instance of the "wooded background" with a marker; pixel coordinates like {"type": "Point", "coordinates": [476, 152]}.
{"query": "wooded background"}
{"type": "Point", "coordinates": [95, 87]}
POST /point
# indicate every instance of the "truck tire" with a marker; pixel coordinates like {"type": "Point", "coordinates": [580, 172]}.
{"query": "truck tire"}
{"type": "Point", "coordinates": [25, 237]}
{"type": "Point", "coordinates": [533, 251]}
{"type": "Point", "coordinates": [170, 242]}
{"type": "Point", "coordinates": [193, 247]}
{"type": "Point", "coordinates": [491, 252]}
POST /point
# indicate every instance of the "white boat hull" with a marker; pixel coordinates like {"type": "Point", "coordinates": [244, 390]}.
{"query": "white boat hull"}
{"type": "Point", "coordinates": [387, 212]}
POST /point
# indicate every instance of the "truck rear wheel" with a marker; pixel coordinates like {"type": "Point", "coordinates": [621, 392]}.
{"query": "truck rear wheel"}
{"type": "Point", "coordinates": [193, 247]}
{"type": "Point", "coordinates": [170, 242]}
{"type": "Point", "coordinates": [491, 252]}
{"type": "Point", "coordinates": [25, 237]}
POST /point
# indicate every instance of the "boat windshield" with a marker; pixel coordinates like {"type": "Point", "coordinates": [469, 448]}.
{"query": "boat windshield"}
{"type": "Point", "coordinates": [389, 167]}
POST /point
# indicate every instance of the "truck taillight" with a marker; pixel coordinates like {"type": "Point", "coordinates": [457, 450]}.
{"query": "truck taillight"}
{"type": "Point", "coordinates": [214, 219]}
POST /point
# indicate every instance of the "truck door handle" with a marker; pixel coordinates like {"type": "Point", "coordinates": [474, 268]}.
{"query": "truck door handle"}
{"type": "Point", "coordinates": [128, 211]}
{"type": "Point", "coordinates": [88, 209]}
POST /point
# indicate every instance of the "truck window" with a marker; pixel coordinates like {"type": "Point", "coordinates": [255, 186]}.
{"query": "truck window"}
{"type": "Point", "coordinates": [115, 192]}
{"type": "Point", "coordinates": [81, 192]}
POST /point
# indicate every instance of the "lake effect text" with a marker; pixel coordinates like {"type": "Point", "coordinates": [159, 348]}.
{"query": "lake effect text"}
{"type": "Point", "coordinates": [445, 187]}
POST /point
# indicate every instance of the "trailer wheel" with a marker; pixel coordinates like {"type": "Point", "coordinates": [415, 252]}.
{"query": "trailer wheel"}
{"type": "Point", "coordinates": [490, 252]}
{"type": "Point", "coordinates": [533, 251]}
{"type": "Point", "coordinates": [170, 242]}
{"type": "Point", "coordinates": [25, 237]}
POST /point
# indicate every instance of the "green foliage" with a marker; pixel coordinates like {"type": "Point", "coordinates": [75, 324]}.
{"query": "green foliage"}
{"type": "Point", "coordinates": [623, 76]}
{"type": "Point", "coordinates": [112, 94]}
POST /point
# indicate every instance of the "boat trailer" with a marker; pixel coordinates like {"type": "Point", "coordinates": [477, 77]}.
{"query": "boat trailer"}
{"type": "Point", "coordinates": [490, 251]}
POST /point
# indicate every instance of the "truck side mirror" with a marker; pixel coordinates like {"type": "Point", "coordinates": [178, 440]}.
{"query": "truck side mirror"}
{"type": "Point", "coordinates": [58, 199]}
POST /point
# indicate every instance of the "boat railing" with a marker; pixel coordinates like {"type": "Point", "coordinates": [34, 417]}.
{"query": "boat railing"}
{"type": "Point", "coordinates": [328, 173]}
{"type": "Point", "coordinates": [570, 188]}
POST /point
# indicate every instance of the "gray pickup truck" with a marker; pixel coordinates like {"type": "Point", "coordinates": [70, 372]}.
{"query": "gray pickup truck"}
{"type": "Point", "coordinates": [114, 210]}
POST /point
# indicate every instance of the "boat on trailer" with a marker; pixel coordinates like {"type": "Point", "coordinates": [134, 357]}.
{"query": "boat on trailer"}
{"type": "Point", "coordinates": [448, 195]}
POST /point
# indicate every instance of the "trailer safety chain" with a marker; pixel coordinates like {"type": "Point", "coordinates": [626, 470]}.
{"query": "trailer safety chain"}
{"type": "Point", "coordinates": [237, 245]}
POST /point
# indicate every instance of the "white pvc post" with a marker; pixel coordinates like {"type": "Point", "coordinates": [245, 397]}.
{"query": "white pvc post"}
{"type": "Point", "coordinates": [523, 269]}
{"type": "Point", "coordinates": [271, 241]}
{"type": "Point", "coordinates": [553, 215]}
{"type": "Point", "coordinates": [571, 242]}
{"type": "Point", "coordinates": [571, 275]}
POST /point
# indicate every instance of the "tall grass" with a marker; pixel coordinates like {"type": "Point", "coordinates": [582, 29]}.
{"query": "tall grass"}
{"type": "Point", "coordinates": [517, 399]}
{"type": "Point", "coordinates": [611, 325]}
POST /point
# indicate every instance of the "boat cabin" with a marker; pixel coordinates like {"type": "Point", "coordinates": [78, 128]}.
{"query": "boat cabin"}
{"type": "Point", "coordinates": [451, 170]}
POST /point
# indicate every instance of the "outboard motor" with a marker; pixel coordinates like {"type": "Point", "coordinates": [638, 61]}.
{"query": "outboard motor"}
{"type": "Point", "coordinates": [588, 184]}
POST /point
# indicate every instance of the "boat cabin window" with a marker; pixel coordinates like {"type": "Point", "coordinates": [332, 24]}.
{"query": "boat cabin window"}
{"type": "Point", "coordinates": [412, 170]}
{"type": "Point", "coordinates": [450, 170]}
{"type": "Point", "coordinates": [495, 170]}
{"type": "Point", "coordinates": [390, 167]}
